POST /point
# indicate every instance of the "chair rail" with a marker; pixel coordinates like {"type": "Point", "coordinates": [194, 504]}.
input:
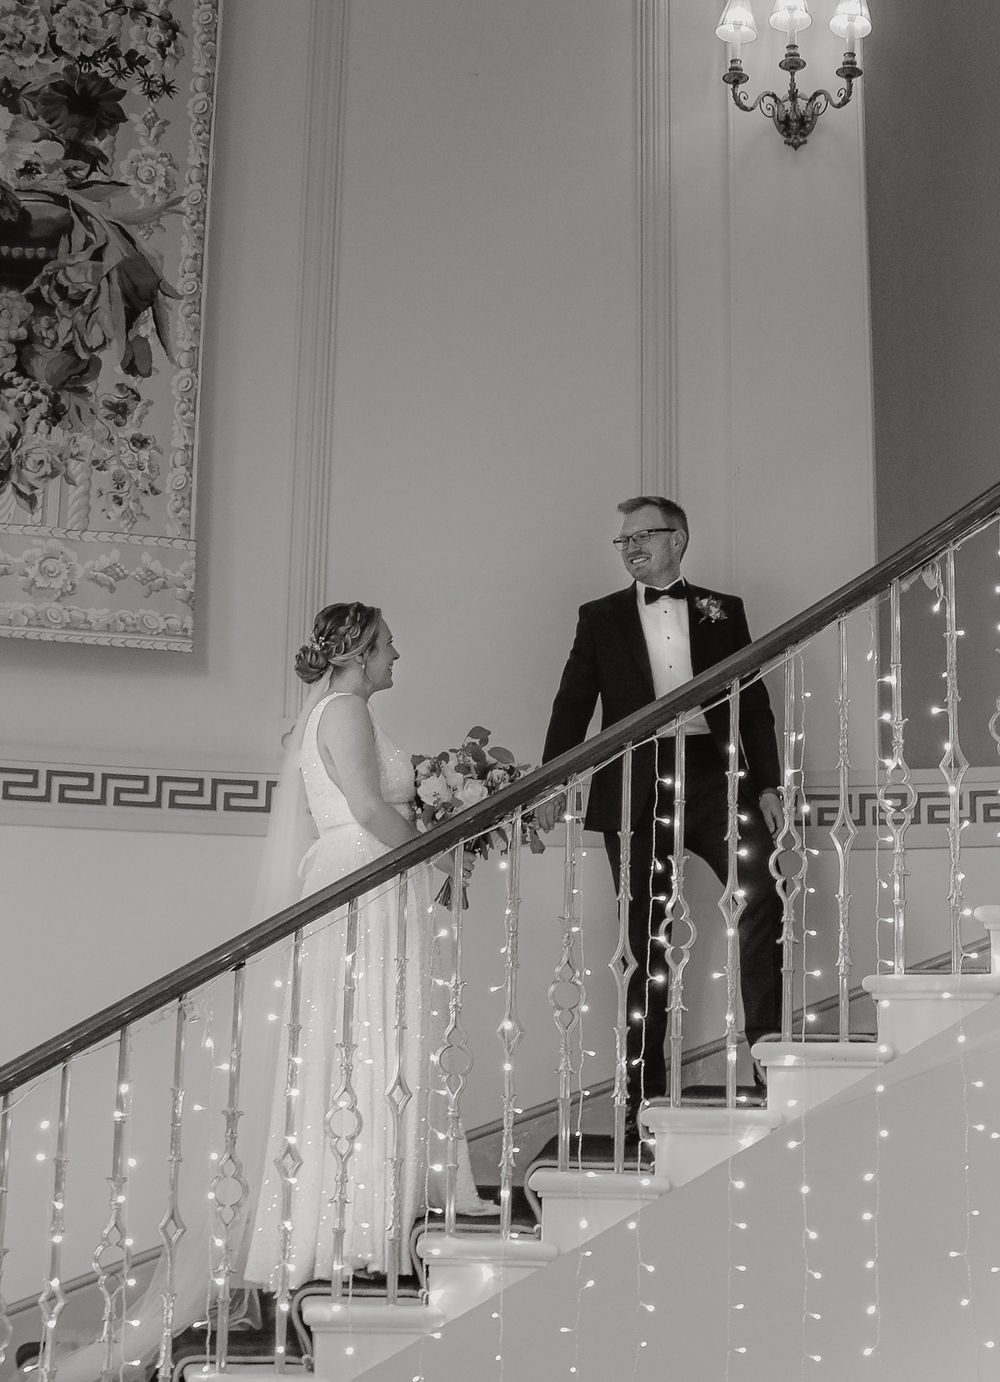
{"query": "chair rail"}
{"type": "Point", "coordinates": [489, 813]}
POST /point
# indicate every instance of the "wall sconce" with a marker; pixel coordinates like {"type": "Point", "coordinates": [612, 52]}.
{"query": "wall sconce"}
{"type": "Point", "coordinates": [794, 116]}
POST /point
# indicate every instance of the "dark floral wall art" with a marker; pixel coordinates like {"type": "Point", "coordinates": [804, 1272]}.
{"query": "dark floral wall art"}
{"type": "Point", "coordinates": [106, 113]}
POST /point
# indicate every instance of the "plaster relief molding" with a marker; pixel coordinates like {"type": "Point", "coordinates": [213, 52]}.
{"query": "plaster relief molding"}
{"type": "Point", "coordinates": [656, 257]}
{"type": "Point", "coordinates": [236, 800]}
{"type": "Point", "coordinates": [326, 92]}
{"type": "Point", "coordinates": [194, 801]}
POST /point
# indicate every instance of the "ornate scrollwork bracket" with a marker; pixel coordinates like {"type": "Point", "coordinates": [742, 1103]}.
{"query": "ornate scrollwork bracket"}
{"type": "Point", "coordinates": [794, 116]}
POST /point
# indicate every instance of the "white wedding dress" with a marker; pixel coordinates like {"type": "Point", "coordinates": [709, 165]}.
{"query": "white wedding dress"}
{"type": "Point", "coordinates": [343, 846]}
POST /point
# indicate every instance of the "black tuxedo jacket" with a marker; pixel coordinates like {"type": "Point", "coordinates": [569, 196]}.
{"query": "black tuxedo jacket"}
{"type": "Point", "coordinates": [609, 661]}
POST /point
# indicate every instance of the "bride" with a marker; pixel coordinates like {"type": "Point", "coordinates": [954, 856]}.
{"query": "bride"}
{"type": "Point", "coordinates": [349, 789]}
{"type": "Point", "coordinates": [359, 791]}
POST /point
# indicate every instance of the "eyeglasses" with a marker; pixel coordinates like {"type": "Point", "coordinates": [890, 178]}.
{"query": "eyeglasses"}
{"type": "Point", "coordinates": [640, 538]}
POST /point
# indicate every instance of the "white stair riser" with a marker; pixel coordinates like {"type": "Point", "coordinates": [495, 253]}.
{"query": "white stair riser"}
{"type": "Point", "coordinates": [576, 1206]}
{"type": "Point", "coordinates": [346, 1356]}
{"type": "Point", "coordinates": [990, 917]}
{"type": "Point", "coordinates": [682, 1156]}
{"type": "Point", "coordinates": [791, 1090]}
{"type": "Point", "coordinates": [459, 1286]}
{"type": "Point", "coordinates": [462, 1272]}
{"type": "Point", "coordinates": [904, 1023]}
{"type": "Point", "coordinates": [350, 1340]}
{"type": "Point", "coordinates": [568, 1222]}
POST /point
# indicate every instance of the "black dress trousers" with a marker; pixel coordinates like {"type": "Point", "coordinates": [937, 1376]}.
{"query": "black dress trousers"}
{"type": "Point", "coordinates": [705, 820]}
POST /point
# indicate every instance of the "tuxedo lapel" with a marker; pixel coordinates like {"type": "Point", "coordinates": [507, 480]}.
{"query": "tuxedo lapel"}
{"type": "Point", "coordinates": [630, 627]}
{"type": "Point", "coordinates": [702, 633]}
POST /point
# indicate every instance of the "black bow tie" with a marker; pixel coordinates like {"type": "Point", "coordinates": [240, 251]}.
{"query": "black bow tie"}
{"type": "Point", "coordinates": [672, 592]}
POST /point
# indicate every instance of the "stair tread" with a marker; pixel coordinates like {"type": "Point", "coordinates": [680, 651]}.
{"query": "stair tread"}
{"type": "Point", "coordinates": [714, 1096]}
{"type": "Point", "coordinates": [594, 1150]}
{"type": "Point", "coordinates": [366, 1285]}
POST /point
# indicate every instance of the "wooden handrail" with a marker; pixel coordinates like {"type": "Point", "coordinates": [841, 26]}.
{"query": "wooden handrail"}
{"type": "Point", "coordinates": [702, 690]}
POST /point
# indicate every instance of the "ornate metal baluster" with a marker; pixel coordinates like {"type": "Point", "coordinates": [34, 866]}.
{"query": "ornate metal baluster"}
{"type": "Point", "coordinates": [52, 1299]}
{"type": "Point", "coordinates": [230, 1191]}
{"type": "Point", "coordinates": [567, 993]}
{"type": "Point", "coordinates": [112, 1256]}
{"type": "Point", "coordinates": [733, 901]}
{"type": "Point", "coordinates": [897, 797]}
{"type": "Point", "coordinates": [790, 838]}
{"type": "Point", "coordinates": [6, 1328]}
{"type": "Point", "coordinates": [623, 964]}
{"type": "Point", "coordinates": [456, 1054]}
{"type": "Point", "coordinates": [510, 1030]}
{"type": "Point", "coordinates": [953, 765]}
{"type": "Point", "coordinates": [678, 915]}
{"type": "Point", "coordinates": [843, 833]}
{"type": "Point", "coordinates": [172, 1227]}
{"type": "Point", "coordinates": [288, 1162]}
{"type": "Point", "coordinates": [343, 1120]}
{"type": "Point", "coordinates": [398, 1095]}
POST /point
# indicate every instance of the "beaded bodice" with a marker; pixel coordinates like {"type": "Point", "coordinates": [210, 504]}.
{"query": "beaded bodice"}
{"type": "Point", "coordinates": [327, 802]}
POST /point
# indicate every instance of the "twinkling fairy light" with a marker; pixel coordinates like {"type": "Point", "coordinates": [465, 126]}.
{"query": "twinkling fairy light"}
{"type": "Point", "coordinates": [871, 1323]}
{"type": "Point", "coordinates": [790, 840]}
{"type": "Point", "coordinates": [656, 893]}
{"type": "Point", "coordinates": [954, 763]}
{"type": "Point", "coordinates": [968, 1299]}
{"type": "Point", "coordinates": [736, 1268]}
{"type": "Point", "coordinates": [582, 1285]}
{"type": "Point", "coordinates": [994, 722]}
{"type": "Point", "coordinates": [796, 1141]}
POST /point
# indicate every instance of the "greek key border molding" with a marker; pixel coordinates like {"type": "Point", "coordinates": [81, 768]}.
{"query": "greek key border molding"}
{"type": "Point", "coordinates": [135, 798]}
{"type": "Point", "coordinates": [237, 802]}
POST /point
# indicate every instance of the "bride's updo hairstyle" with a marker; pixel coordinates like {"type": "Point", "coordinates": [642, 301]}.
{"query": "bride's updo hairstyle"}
{"type": "Point", "coordinates": [339, 634]}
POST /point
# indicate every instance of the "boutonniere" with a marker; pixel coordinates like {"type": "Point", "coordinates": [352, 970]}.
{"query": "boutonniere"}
{"type": "Point", "coordinates": [710, 607]}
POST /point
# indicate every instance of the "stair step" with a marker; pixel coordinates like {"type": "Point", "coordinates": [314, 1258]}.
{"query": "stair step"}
{"type": "Point", "coordinates": [522, 1216]}
{"type": "Point", "coordinates": [914, 1007]}
{"type": "Point", "coordinates": [362, 1285]}
{"type": "Point", "coordinates": [595, 1150]}
{"type": "Point", "coordinates": [714, 1096]}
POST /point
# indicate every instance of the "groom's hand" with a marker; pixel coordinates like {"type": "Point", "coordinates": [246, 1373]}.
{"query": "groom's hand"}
{"type": "Point", "coordinates": [551, 811]}
{"type": "Point", "coordinates": [772, 811]}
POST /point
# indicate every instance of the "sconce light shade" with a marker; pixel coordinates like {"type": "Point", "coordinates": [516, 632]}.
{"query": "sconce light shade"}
{"type": "Point", "coordinates": [851, 21]}
{"type": "Point", "coordinates": [790, 16]}
{"type": "Point", "coordinates": [737, 24]}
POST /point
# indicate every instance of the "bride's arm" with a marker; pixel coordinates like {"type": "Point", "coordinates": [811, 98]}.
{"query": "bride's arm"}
{"type": "Point", "coordinates": [348, 744]}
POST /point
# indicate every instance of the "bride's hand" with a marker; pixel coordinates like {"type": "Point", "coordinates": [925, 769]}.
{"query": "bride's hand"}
{"type": "Point", "coordinates": [446, 863]}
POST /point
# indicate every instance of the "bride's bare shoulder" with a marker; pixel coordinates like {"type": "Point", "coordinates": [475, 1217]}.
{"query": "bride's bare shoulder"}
{"type": "Point", "coordinates": [345, 713]}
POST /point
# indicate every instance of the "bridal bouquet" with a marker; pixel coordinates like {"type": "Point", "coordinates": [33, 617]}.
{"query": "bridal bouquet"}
{"type": "Point", "coordinates": [449, 781]}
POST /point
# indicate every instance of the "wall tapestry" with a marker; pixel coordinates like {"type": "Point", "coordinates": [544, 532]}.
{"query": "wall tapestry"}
{"type": "Point", "coordinates": [106, 113]}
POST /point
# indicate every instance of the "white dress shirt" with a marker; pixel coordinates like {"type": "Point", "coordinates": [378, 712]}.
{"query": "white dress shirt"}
{"type": "Point", "coordinates": [668, 641]}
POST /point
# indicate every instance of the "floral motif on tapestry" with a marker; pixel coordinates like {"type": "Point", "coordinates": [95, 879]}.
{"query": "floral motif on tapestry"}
{"type": "Point", "coordinates": [106, 111]}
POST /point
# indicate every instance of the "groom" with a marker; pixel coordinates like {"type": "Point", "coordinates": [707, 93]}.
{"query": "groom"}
{"type": "Point", "coordinates": [631, 648]}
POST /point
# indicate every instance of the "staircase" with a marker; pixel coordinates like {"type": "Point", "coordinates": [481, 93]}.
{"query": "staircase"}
{"type": "Point", "coordinates": [579, 1205]}
{"type": "Point", "coordinates": [678, 1253]}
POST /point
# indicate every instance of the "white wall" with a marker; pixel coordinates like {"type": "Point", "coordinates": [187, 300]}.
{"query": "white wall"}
{"type": "Point", "coordinates": [111, 912]}
{"type": "Point", "coordinates": [486, 359]}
